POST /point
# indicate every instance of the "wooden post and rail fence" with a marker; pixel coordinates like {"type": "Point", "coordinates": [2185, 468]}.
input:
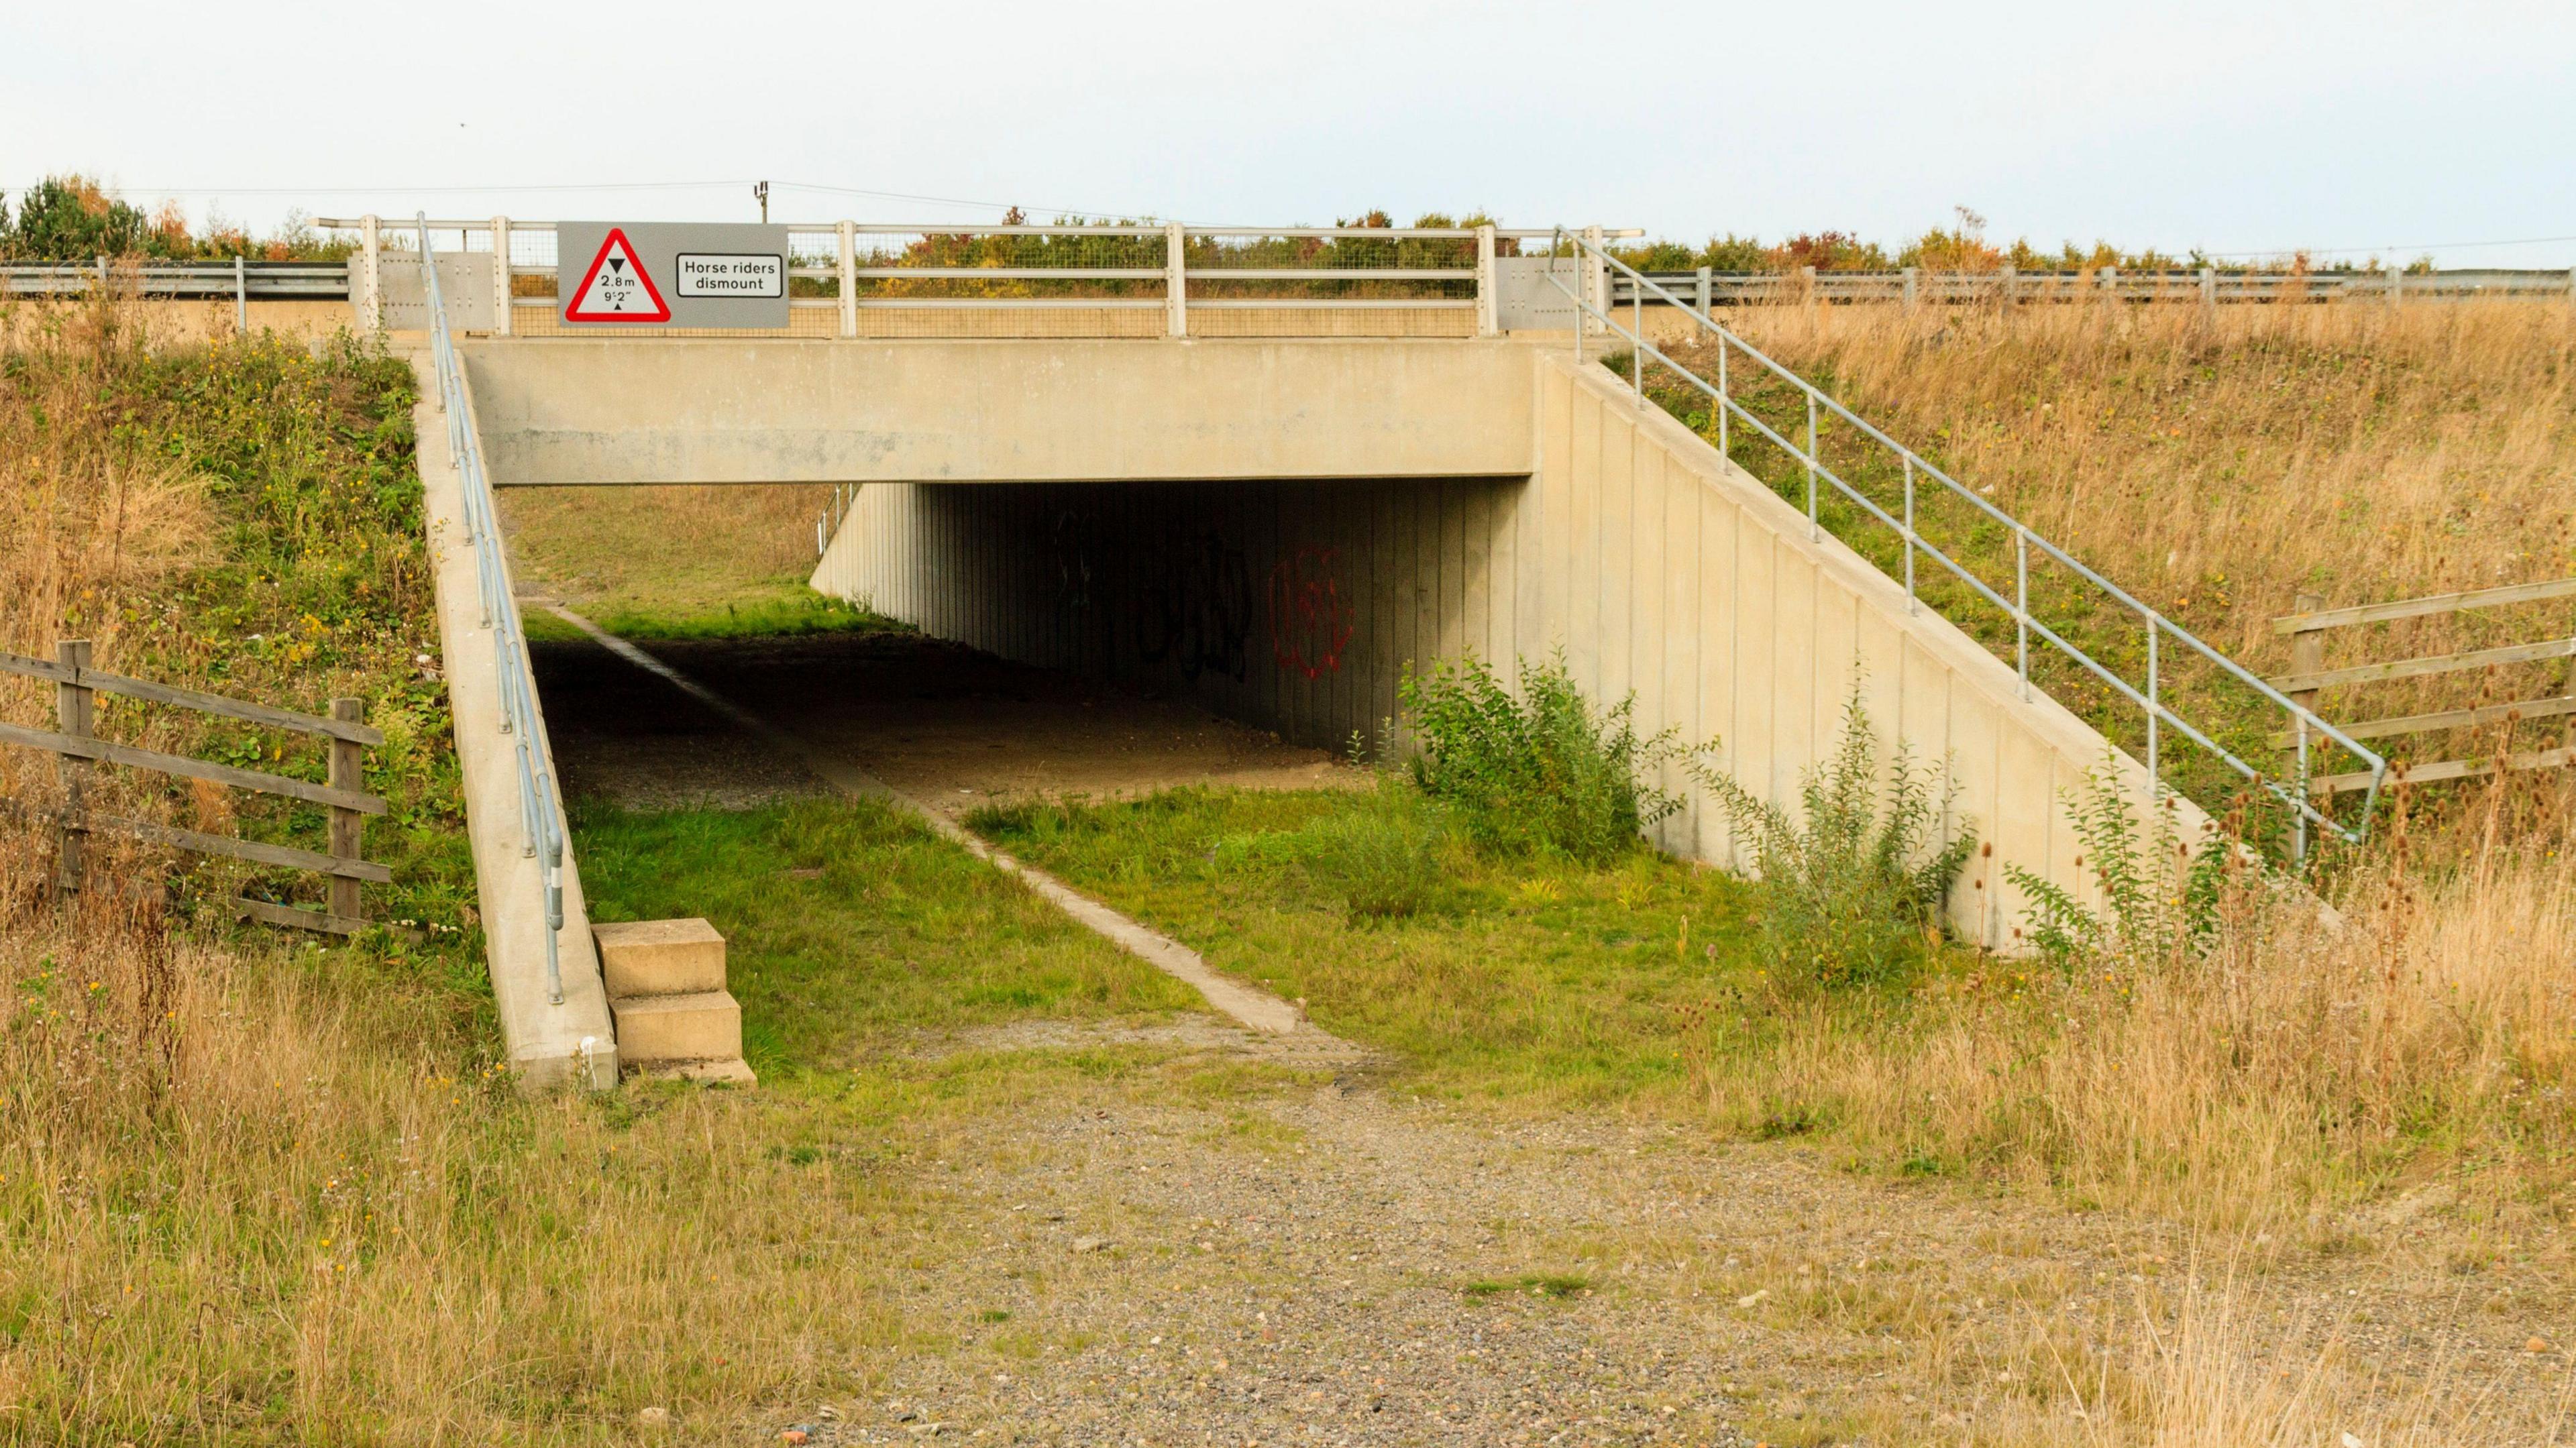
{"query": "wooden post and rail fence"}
{"type": "Point", "coordinates": [78, 749]}
{"type": "Point", "coordinates": [2308, 674]}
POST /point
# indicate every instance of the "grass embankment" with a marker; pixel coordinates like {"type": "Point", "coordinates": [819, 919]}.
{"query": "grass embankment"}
{"type": "Point", "coordinates": [260, 1189]}
{"type": "Point", "coordinates": [674, 562]}
{"type": "Point", "coordinates": [2216, 469]}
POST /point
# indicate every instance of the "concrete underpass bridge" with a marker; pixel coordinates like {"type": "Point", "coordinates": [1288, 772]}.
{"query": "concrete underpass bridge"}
{"type": "Point", "coordinates": [1271, 469]}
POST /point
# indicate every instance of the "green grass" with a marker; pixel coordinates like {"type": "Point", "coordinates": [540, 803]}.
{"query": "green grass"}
{"type": "Point", "coordinates": [1534, 1284]}
{"type": "Point", "coordinates": [791, 610]}
{"type": "Point", "coordinates": [849, 926]}
{"type": "Point", "coordinates": [1524, 977]}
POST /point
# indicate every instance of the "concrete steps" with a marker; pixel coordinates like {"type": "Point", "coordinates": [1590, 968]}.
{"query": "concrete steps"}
{"type": "Point", "coordinates": [666, 991]}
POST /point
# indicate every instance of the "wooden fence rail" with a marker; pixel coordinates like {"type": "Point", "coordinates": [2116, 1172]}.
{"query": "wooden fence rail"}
{"type": "Point", "coordinates": [2307, 629]}
{"type": "Point", "coordinates": [78, 750]}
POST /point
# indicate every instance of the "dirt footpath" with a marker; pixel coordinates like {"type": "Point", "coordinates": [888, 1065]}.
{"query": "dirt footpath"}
{"type": "Point", "coordinates": [945, 724]}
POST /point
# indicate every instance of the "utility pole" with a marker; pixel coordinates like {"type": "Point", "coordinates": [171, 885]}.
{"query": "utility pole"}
{"type": "Point", "coordinates": [760, 189]}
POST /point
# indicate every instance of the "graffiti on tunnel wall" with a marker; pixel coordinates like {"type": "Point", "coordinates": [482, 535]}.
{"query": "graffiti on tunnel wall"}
{"type": "Point", "coordinates": [1195, 607]}
{"type": "Point", "coordinates": [1310, 619]}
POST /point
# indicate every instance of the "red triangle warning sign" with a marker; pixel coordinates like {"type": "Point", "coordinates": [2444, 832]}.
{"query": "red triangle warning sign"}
{"type": "Point", "coordinates": [617, 288]}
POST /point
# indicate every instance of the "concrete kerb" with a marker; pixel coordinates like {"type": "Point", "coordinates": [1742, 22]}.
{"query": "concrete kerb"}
{"type": "Point", "coordinates": [549, 1046]}
{"type": "Point", "coordinates": [1249, 1005]}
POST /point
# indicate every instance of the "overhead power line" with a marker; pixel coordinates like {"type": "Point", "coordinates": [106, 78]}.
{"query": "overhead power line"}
{"type": "Point", "coordinates": [588, 186]}
{"type": "Point", "coordinates": [2389, 247]}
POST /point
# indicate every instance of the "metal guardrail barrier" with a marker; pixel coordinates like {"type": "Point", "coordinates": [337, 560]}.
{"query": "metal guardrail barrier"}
{"type": "Point", "coordinates": [1596, 273]}
{"type": "Point", "coordinates": [240, 279]}
{"type": "Point", "coordinates": [1166, 276]}
{"type": "Point", "coordinates": [540, 802]}
{"type": "Point", "coordinates": [2209, 286]}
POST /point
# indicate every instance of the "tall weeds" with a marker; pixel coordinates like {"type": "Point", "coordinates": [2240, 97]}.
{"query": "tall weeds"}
{"type": "Point", "coordinates": [1853, 880]}
{"type": "Point", "coordinates": [1540, 769]}
{"type": "Point", "coordinates": [2301, 1063]}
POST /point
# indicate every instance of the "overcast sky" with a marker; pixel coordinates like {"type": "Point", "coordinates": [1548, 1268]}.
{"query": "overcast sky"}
{"type": "Point", "coordinates": [2233, 127]}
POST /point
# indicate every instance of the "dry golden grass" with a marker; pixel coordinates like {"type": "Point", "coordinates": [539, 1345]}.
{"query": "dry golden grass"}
{"type": "Point", "coordinates": [270, 1197]}
{"type": "Point", "coordinates": [86, 524]}
{"type": "Point", "coordinates": [2219, 467]}
{"type": "Point", "coordinates": [2301, 1066]}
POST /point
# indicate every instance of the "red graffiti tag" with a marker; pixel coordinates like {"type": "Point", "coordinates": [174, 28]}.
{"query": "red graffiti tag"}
{"type": "Point", "coordinates": [1310, 622]}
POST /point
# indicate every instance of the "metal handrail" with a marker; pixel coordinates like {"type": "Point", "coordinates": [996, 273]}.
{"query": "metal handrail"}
{"type": "Point", "coordinates": [540, 801]}
{"type": "Point", "coordinates": [2025, 623]}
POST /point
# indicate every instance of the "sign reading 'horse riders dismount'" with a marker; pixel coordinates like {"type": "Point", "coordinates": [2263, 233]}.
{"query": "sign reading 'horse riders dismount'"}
{"type": "Point", "coordinates": [670, 274]}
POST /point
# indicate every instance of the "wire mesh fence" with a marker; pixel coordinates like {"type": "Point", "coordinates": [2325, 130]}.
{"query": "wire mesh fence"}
{"type": "Point", "coordinates": [1108, 281]}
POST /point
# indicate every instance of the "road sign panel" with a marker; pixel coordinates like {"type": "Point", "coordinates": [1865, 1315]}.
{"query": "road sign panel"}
{"type": "Point", "coordinates": [674, 274]}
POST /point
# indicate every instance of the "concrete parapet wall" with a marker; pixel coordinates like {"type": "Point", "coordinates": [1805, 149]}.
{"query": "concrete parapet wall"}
{"type": "Point", "coordinates": [1621, 537]}
{"type": "Point", "coordinates": [691, 411]}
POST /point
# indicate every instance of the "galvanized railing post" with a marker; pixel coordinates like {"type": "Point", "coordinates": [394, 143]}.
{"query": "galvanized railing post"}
{"type": "Point", "coordinates": [1489, 316]}
{"type": "Point", "coordinates": [372, 261]}
{"type": "Point", "coordinates": [1722, 403]}
{"type": "Point", "coordinates": [1579, 292]}
{"type": "Point", "coordinates": [2155, 707]}
{"type": "Point", "coordinates": [849, 282]}
{"type": "Point", "coordinates": [1637, 354]}
{"type": "Point", "coordinates": [2021, 606]}
{"type": "Point", "coordinates": [241, 298]}
{"type": "Point", "coordinates": [1176, 295]}
{"type": "Point", "coordinates": [1596, 280]}
{"type": "Point", "coordinates": [501, 299]}
{"type": "Point", "coordinates": [1704, 280]}
{"type": "Point", "coordinates": [1911, 537]}
{"type": "Point", "coordinates": [1813, 530]}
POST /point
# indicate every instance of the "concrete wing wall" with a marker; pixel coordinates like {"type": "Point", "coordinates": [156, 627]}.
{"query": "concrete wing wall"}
{"type": "Point", "coordinates": [1658, 567]}
{"type": "Point", "coordinates": [1666, 570]}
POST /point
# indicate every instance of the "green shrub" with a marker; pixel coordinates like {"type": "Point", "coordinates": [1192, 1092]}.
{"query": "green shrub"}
{"type": "Point", "coordinates": [1541, 773]}
{"type": "Point", "coordinates": [2162, 902]}
{"type": "Point", "coordinates": [1853, 884]}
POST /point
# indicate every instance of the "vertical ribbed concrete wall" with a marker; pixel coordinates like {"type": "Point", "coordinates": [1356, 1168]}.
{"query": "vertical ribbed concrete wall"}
{"type": "Point", "coordinates": [1658, 567]}
{"type": "Point", "coordinates": [1292, 605]}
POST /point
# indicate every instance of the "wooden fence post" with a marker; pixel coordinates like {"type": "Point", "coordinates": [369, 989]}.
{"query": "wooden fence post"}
{"type": "Point", "coordinates": [348, 827]}
{"type": "Point", "coordinates": [72, 715]}
{"type": "Point", "coordinates": [2307, 649]}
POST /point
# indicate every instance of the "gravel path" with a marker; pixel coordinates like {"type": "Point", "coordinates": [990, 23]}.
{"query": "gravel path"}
{"type": "Point", "coordinates": [1344, 1264]}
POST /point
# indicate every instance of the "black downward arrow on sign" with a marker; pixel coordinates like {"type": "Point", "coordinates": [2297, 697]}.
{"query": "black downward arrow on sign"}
{"type": "Point", "coordinates": [617, 264]}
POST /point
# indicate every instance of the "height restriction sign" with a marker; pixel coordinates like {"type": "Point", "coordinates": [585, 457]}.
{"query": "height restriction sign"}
{"type": "Point", "coordinates": [670, 274]}
{"type": "Point", "coordinates": [614, 288]}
